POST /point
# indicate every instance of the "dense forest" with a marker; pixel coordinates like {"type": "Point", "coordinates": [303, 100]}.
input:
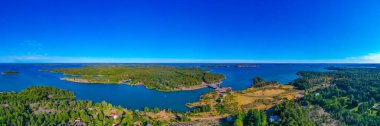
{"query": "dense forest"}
{"type": "Point", "coordinates": [351, 95]}
{"type": "Point", "coordinates": [164, 78]}
{"type": "Point", "coordinates": [253, 117]}
{"type": "Point", "coordinates": [40, 106]}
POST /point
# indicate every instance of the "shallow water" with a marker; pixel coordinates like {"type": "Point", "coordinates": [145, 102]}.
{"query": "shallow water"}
{"type": "Point", "coordinates": [137, 97]}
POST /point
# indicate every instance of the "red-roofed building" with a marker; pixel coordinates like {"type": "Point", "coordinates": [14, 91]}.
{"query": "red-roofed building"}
{"type": "Point", "coordinates": [113, 115]}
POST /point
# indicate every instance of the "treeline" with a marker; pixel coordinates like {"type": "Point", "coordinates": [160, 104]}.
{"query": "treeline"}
{"type": "Point", "coordinates": [40, 106]}
{"type": "Point", "coordinates": [260, 82]}
{"type": "Point", "coordinates": [251, 118]}
{"type": "Point", "coordinates": [291, 113]}
{"type": "Point", "coordinates": [199, 109]}
{"type": "Point", "coordinates": [350, 94]}
{"type": "Point", "coordinates": [212, 78]}
{"type": "Point", "coordinates": [154, 77]}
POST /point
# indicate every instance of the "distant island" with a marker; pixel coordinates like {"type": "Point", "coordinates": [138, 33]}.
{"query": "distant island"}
{"type": "Point", "coordinates": [9, 72]}
{"type": "Point", "coordinates": [162, 78]}
{"type": "Point", "coordinates": [232, 65]}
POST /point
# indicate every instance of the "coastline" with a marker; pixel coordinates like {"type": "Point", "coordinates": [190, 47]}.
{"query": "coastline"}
{"type": "Point", "coordinates": [189, 88]}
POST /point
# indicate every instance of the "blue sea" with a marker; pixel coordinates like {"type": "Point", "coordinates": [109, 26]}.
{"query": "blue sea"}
{"type": "Point", "coordinates": [137, 97]}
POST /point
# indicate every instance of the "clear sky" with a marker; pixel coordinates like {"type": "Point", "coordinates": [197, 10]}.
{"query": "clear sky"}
{"type": "Point", "coordinates": [189, 31]}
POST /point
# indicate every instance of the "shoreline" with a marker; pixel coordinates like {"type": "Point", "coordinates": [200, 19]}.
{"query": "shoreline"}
{"type": "Point", "coordinates": [189, 88]}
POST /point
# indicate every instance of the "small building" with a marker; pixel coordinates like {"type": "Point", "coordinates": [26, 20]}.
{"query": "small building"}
{"type": "Point", "coordinates": [136, 124]}
{"type": "Point", "coordinates": [114, 116]}
{"type": "Point", "coordinates": [299, 96]}
{"type": "Point", "coordinates": [78, 122]}
{"type": "Point", "coordinates": [148, 124]}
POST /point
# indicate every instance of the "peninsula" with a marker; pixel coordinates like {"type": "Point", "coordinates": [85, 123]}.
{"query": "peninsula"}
{"type": "Point", "coordinates": [162, 78]}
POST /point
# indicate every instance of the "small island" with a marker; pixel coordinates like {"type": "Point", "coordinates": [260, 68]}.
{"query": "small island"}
{"type": "Point", "coordinates": [231, 65]}
{"type": "Point", "coordinates": [9, 72]}
{"type": "Point", "coordinates": [162, 78]}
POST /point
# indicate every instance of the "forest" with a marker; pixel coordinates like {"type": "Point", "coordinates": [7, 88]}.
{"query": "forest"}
{"type": "Point", "coordinates": [163, 78]}
{"type": "Point", "coordinates": [41, 106]}
{"type": "Point", "coordinates": [351, 95]}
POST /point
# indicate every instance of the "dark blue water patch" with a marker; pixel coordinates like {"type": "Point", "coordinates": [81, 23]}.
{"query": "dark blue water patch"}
{"type": "Point", "coordinates": [138, 97]}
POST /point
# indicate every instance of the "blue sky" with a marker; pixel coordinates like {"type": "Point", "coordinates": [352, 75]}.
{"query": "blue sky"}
{"type": "Point", "coordinates": [189, 31]}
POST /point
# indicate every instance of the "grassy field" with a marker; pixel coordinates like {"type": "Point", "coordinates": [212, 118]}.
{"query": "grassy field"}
{"type": "Point", "coordinates": [265, 97]}
{"type": "Point", "coordinates": [241, 101]}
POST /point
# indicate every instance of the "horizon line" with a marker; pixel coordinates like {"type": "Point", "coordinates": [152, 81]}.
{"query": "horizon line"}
{"type": "Point", "coordinates": [184, 63]}
{"type": "Point", "coordinates": [371, 58]}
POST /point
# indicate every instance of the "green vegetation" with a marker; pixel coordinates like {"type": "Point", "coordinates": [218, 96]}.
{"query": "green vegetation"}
{"type": "Point", "coordinates": [199, 109]}
{"type": "Point", "coordinates": [253, 117]}
{"type": "Point", "coordinates": [350, 94]}
{"type": "Point", "coordinates": [51, 106]}
{"type": "Point", "coordinates": [346, 96]}
{"type": "Point", "coordinates": [291, 114]}
{"type": "Point", "coordinates": [246, 106]}
{"type": "Point", "coordinates": [40, 106]}
{"type": "Point", "coordinates": [260, 82]}
{"type": "Point", "coordinates": [164, 78]}
{"type": "Point", "coordinates": [257, 97]}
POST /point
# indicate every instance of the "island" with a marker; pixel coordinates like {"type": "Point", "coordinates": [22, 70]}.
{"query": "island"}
{"type": "Point", "coordinates": [231, 65]}
{"type": "Point", "coordinates": [9, 72]}
{"type": "Point", "coordinates": [162, 78]}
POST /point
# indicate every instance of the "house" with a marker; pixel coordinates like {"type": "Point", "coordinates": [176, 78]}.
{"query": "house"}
{"type": "Point", "coordinates": [114, 116]}
{"type": "Point", "coordinates": [148, 124]}
{"type": "Point", "coordinates": [299, 96]}
{"type": "Point", "coordinates": [78, 122]}
{"type": "Point", "coordinates": [136, 124]}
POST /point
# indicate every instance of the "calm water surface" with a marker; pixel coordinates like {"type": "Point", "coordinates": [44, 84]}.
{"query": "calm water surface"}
{"type": "Point", "coordinates": [137, 97]}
